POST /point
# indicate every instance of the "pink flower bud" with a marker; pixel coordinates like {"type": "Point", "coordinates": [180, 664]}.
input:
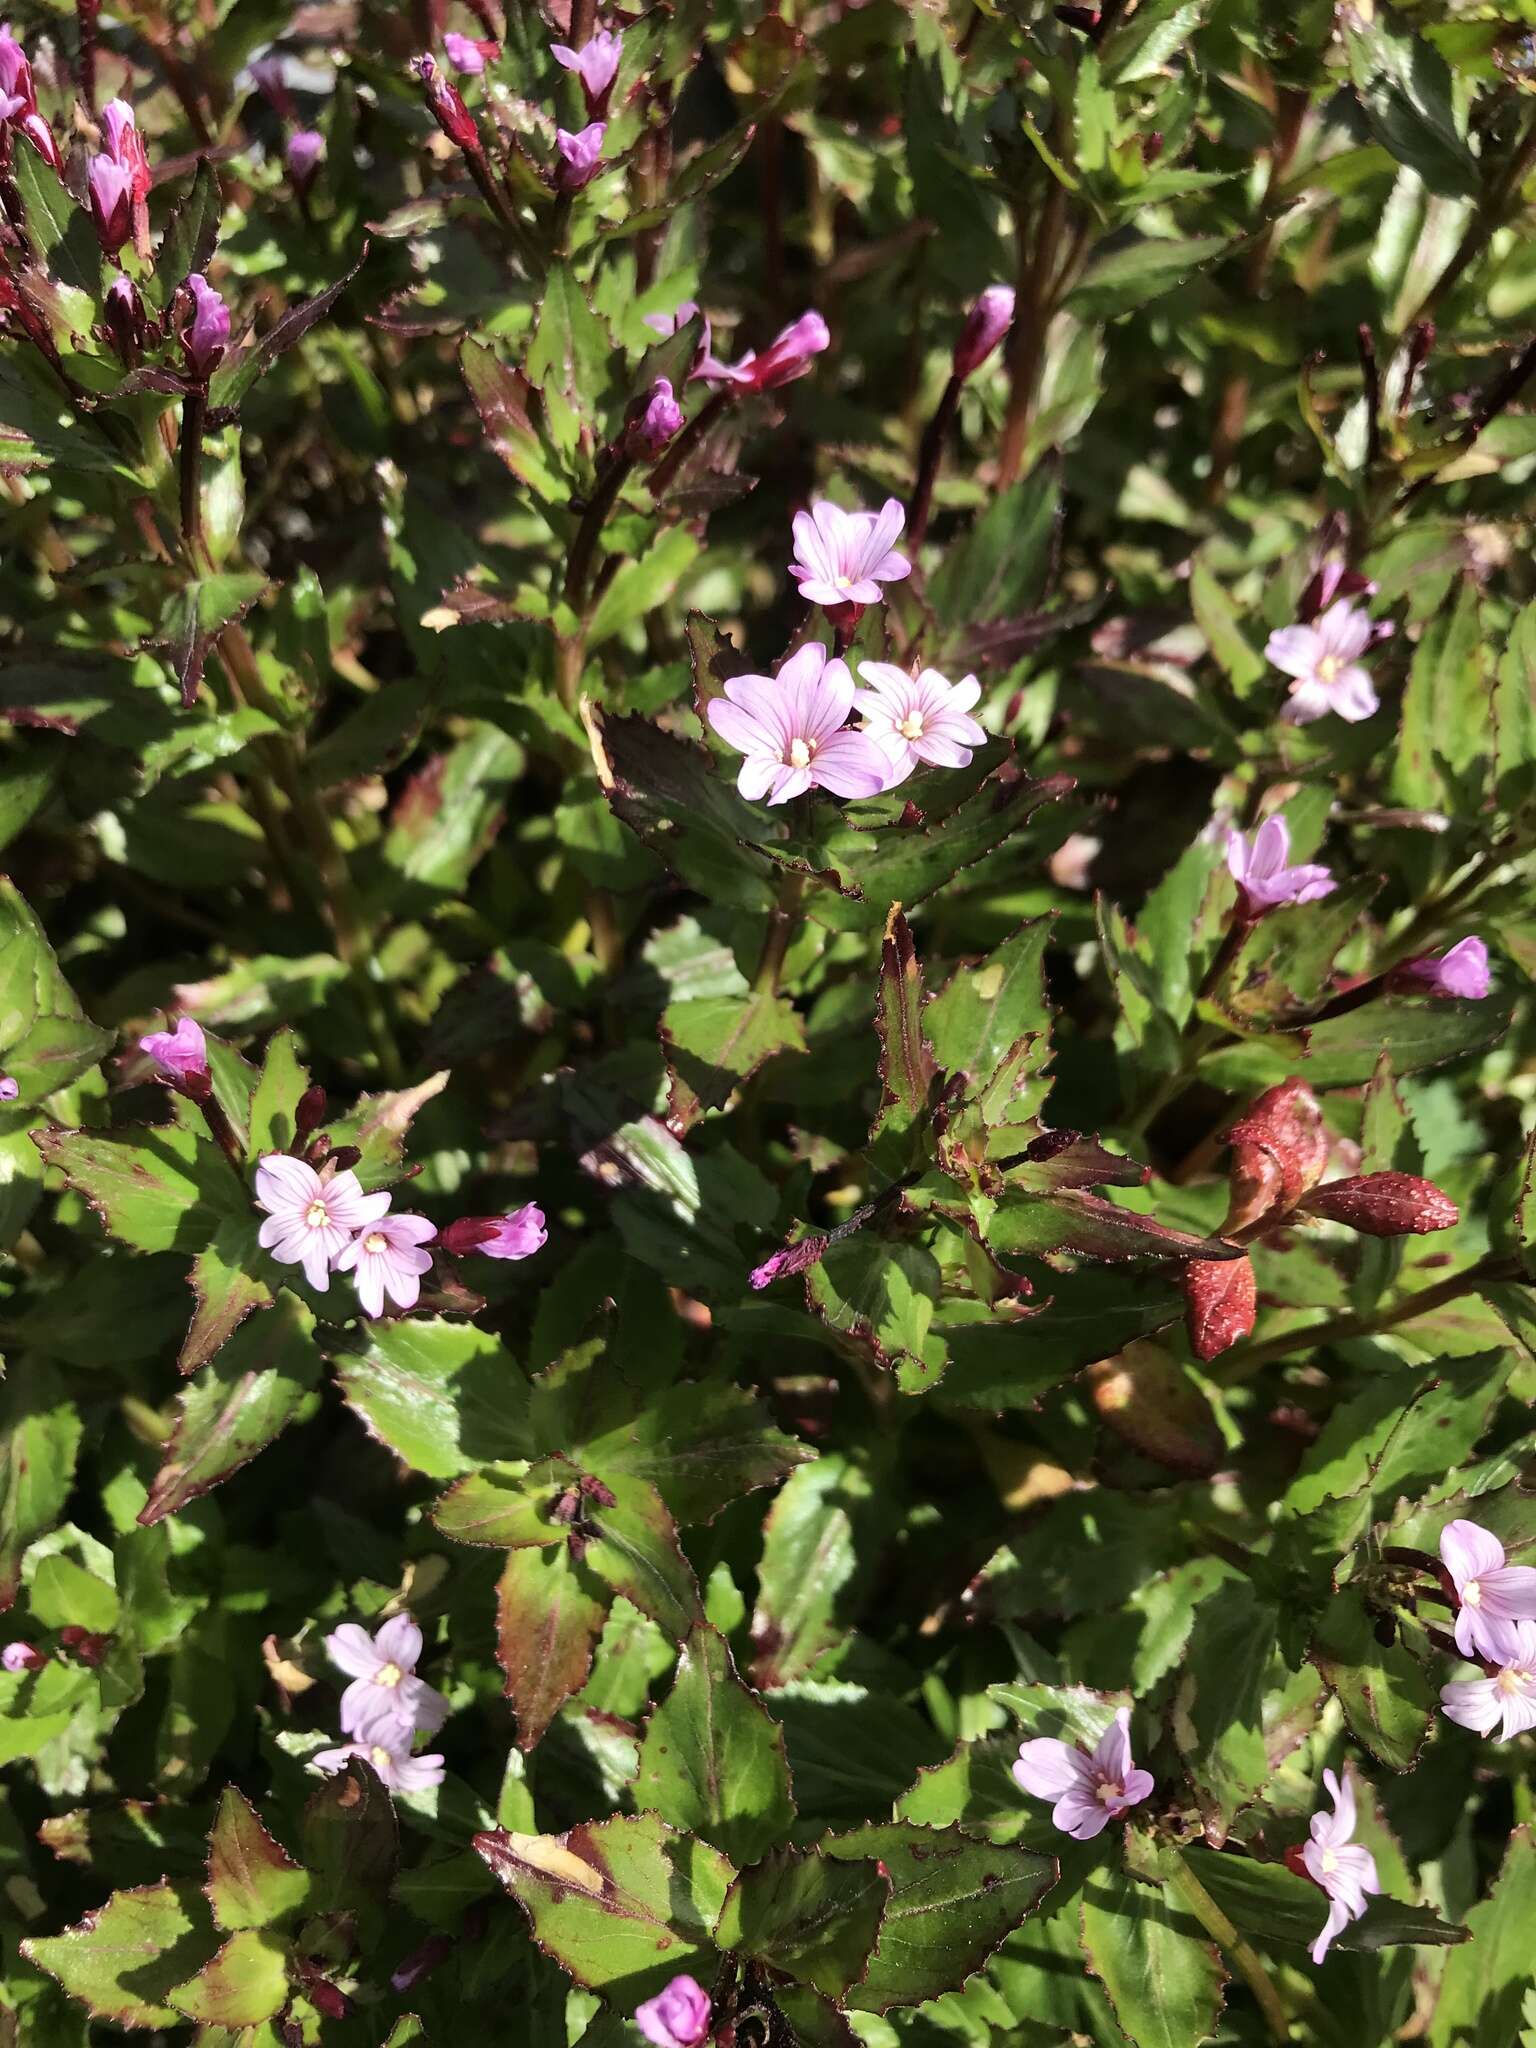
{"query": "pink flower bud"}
{"type": "Point", "coordinates": [109, 188]}
{"type": "Point", "coordinates": [267, 74]}
{"type": "Point", "coordinates": [792, 1259]}
{"type": "Point", "coordinates": [465, 54]}
{"type": "Point", "coordinates": [10, 1088]}
{"type": "Point", "coordinates": [515, 1236]}
{"type": "Point", "coordinates": [786, 357]}
{"type": "Point", "coordinates": [662, 418]}
{"type": "Point", "coordinates": [206, 335]}
{"type": "Point", "coordinates": [125, 145]}
{"type": "Point", "coordinates": [42, 139]}
{"type": "Point", "coordinates": [127, 322]}
{"type": "Point", "coordinates": [180, 1055]}
{"type": "Point", "coordinates": [986, 324]}
{"type": "Point", "coordinates": [305, 148]}
{"type": "Point", "coordinates": [580, 156]}
{"type": "Point", "coordinates": [1220, 1301]}
{"type": "Point", "coordinates": [596, 64]}
{"type": "Point", "coordinates": [1463, 972]}
{"type": "Point", "coordinates": [677, 2017]}
{"type": "Point", "coordinates": [21, 1657]}
{"type": "Point", "coordinates": [446, 106]}
{"type": "Point", "coordinates": [1384, 1205]}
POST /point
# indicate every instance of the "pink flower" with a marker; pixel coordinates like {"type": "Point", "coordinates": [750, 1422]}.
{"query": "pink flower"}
{"type": "Point", "coordinates": [21, 1657]}
{"type": "Point", "coordinates": [705, 366]}
{"type": "Point", "coordinates": [206, 335]}
{"type": "Point", "coordinates": [1510, 1695]}
{"type": "Point", "coordinates": [786, 357]}
{"type": "Point", "coordinates": [516, 1236]}
{"type": "Point", "coordinates": [580, 156]}
{"type": "Point", "coordinates": [386, 1701]}
{"type": "Point", "coordinates": [1329, 580]}
{"type": "Point", "coordinates": [10, 1088]}
{"type": "Point", "coordinates": [986, 324]}
{"type": "Point", "coordinates": [1491, 1593]}
{"type": "Point", "coordinates": [18, 101]}
{"type": "Point", "coordinates": [400, 1771]}
{"type": "Point", "coordinates": [677, 2017]}
{"type": "Point", "coordinates": [268, 75]}
{"type": "Point", "coordinates": [793, 730]}
{"type": "Point", "coordinates": [914, 719]}
{"type": "Point", "coordinates": [127, 322]}
{"type": "Point", "coordinates": [1089, 1790]}
{"type": "Point", "coordinates": [844, 557]}
{"type": "Point", "coordinates": [311, 1221]}
{"type": "Point", "coordinates": [1262, 875]}
{"type": "Point", "coordinates": [464, 53]}
{"type": "Point", "coordinates": [596, 64]}
{"type": "Point", "coordinates": [387, 1259]}
{"type": "Point", "coordinates": [1463, 971]}
{"type": "Point", "coordinates": [661, 419]}
{"type": "Point", "coordinates": [125, 145]}
{"type": "Point", "coordinates": [1345, 1871]}
{"type": "Point", "coordinates": [109, 189]}
{"type": "Point", "coordinates": [179, 1054]}
{"type": "Point", "coordinates": [1325, 660]}
{"type": "Point", "coordinates": [303, 154]}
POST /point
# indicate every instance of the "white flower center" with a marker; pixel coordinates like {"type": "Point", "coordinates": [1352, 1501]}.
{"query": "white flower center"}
{"type": "Point", "coordinates": [1471, 1594]}
{"type": "Point", "coordinates": [317, 1216]}
{"type": "Point", "coordinates": [374, 1243]}
{"type": "Point", "coordinates": [843, 582]}
{"type": "Point", "coordinates": [378, 1756]}
{"type": "Point", "coordinates": [1109, 1790]}
{"type": "Point", "coordinates": [1330, 1862]}
{"type": "Point", "coordinates": [1511, 1681]}
{"type": "Point", "coordinates": [1328, 668]}
{"type": "Point", "coordinates": [389, 1676]}
{"type": "Point", "coordinates": [911, 727]}
{"type": "Point", "coordinates": [800, 752]}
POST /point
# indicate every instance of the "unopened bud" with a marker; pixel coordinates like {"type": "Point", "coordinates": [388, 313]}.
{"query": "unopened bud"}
{"type": "Point", "coordinates": [1384, 1205]}
{"type": "Point", "coordinates": [985, 325]}
{"type": "Point", "coordinates": [22, 1657]}
{"type": "Point", "coordinates": [794, 1258]}
{"type": "Point", "coordinates": [344, 1158]}
{"type": "Point", "coordinates": [327, 2000]}
{"type": "Point", "coordinates": [595, 1491]}
{"type": "Point", "coordinates": [88, 1646]}
{"type": "Point", "coordinates": [446, 106]}
{"type": "Point", "coordinates": [1287, 1123]}
{"type": "Point", "coordinates": [1220, 1301]}
{"type": "Point", "coordinates": [127, 322]}
{"type": "Point", "coordinates": [310, 1113]}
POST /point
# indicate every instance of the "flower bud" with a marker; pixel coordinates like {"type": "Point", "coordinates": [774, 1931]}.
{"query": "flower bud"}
{"type": "Point", "coordinates": [310, 1112]}
{"type": "Point", "coordinates": [86, 1644]}
{"type": "Point", "coordinates": [580, 156]}
{"type": "Point", "coordinates": [1256, 1187]}
{"type": "Point", "coordinates": [10, 1087]}
{"type": "Point", "coordinates": [125, 146]}
{"type": "Point", "coordinates": [446, 106]}
{"type": "Point", "coordinates": [1220, 1302]}
{"type": "Point", "coordinates": [269, 76]}
{"type": "Point", "coordinates": [465, 54]}
{"type": "Point", "coordinates": [302, 156]}
{"type": "Point", "coordinates": [109, 192]}
{"type": "Point", "coordinates": [205, 336]}
{"type": "Point", "coordinates": [986, 324]}
{"type": "Point", "coordinates": [127, 322]}
{"type": "Point", "coordinates": [1286, 1125]}
{"type": "Point", "coordinates": [596, 64]}
{"type": "Point", "coordinates": [662, 418]}
{"type": "Point", "coordinates": [1384, 1205]}
{"type": "Point", "coordinates": [22, 1657]}
{"type": "Point", "coordinates": [516, 1236]}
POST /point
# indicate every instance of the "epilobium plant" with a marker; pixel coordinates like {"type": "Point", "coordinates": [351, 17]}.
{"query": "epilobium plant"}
{"type": "Point", "coordinates": [767, 1184]}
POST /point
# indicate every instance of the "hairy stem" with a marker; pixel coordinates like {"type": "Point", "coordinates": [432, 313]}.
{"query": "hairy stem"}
{"type": "Point", "coordinates": [929, 455]}
{"type": "Point", "coordinates": [194, 408]}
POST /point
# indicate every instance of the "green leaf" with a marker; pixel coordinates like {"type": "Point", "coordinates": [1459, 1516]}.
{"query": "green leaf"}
{"type": "Point", "coordinates": [1218, 1720]}
{"type": "Point", "coordinates": [1274, 1904]}
{"type": "Point", "coordinates": [122, 1961]}
{"type": "Point", "coordinates": [1406, 89]}
{"type": "Point", "coordinates": [1341, 1052]}
{"type": "Point", "coordinates": [158, 1188]}
{"type": "Point", "coordinates": [1484, 1985]}
{"type": "Point", "coordinates": [810, 1560]}
{"type": "Point", "coordinates": [643, 584]}
{"type": "Point", "coordinates": [225, 1289]}
{"type": "Point", "coordinates": [192, 232]}
{"type": "Point", "coordinates": [275, 1101]}
{"type": "Point", "coordinates": [880, 1289]}
{"type": "Point", "coordinates": [1095, 1228]}
{"type": "Point", "coordinates": [549, 1611]}
{"type": "Point", "coordinates": [953, 1899]}
{"type": "Point", "coordinates": [1386, 1694]}
{"type": "Point", "coordinates": [637, 1553]}
{"type": "Point", "coordinates": [350, 1843]}
{"type": "Point", "coordinates": [715, 1043]}
{"type": "Point", "coordinates": [982, 1012]}
{"type": "Point", "coordinates": [1162, 1972]}
{"type": "Point", "coordinates": [1445, 707]}
{"type": "Point", "coordinates": [45, 1040]}
{"type": "Point", "coordinates": [448, 815]}
{"type": "Point", "coordinates": [623, 1905]}
{"type": "Point", "coordinates": [444, 1396]}
{"type": "Point", "coordinates": [61, 229]}
{"type": "Point", "coordinates": [907, 1067]}
{"type": "Point", "coordinates": [805, 1915]}
{"type": "Point", "coordinates": [569, 355]}
{"type": "Point", "coordinates": [504, 400]}
{"type": "Point", "coordinates": [1138, 272]}
{"type": "Point", "coordinates": [1285, 963]}
{"type": "Point", "coordinates": [1000, 567]}
{"type": "Point", "coordinates": [245, 1984]}
{"type": "Point", "coordinates": [262, 1380]}
{"type": "Point", "coordinates": [503, 1513]}
{"type": "Point", "coordinates": [713, 1760]}
{"type": "Point", "coordinates": [252, 1881]}
{"type": "Point", "coordinates": [40, 1430]}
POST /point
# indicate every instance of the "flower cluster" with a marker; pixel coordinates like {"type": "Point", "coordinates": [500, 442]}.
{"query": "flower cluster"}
{"type": "Point", "coordinates": [386, 1706]}
{"type": "Point", "coordinates": [18, 101]}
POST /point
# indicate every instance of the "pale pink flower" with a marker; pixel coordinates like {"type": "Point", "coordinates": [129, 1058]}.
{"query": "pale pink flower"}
{"type": "Point", "coordinates": [1325, 660]}
{"type": "Point", "coordinates": [387, 1258]}
{"type": "Point", "coordinates": [17, 1657]}
{"type": "Point", "coordinates": [179, 1054]}
{"type": "Point", "coordinates": [125, 145]}
{"type": "Point", "coordinates": [310, 1221]}
{"type": "Point", "coordinates": [464, 53]}
{"type": "Point", "coordinates": [705, 367]}
{"type": "Point", "coordinates": [580, 156]}
{"type": "Point", "coordinates": [1333, 1860]}
{"type": "Point", "coordinates": [1490, 1591]}
{"type": "Point", "coordinates": [596, 64]}
{"type": "Point", "coordinates": [986, 324]}
{"type": "Point", "coordinates": [515, 1236]}
{"type": "Point", "coordinates": [1090, 1789]}
{"type": "Point", "coordinates": [1463, 971]}
{"type": "Point", "coordinates": [844, 557]}
{"type": "Point", "coordinates": [206, 335]}
{"type": "Point", "coordinates": [1261, 873]}
{"type": "Point", "coordinates": [677, 2017]}
{"type": "Point", "coordinates": [793, 729]}
{"type": "Point", "coordinates": [18, 101]}
{"type": "Point", "coordinates": [786, 357]}
{"type": "Point", "coordinates": [400, 1771]}
{"type": "Point", "coordinates": [109, 191]}
{"type": "Point", "coordinates": [1509, 1696]}
{"type": "Point", "coordinates": [10, 1088]}
{"type": "Point", "coordinates": [914, 719]}
{"type": "Point", "coordinates": [662, 418]}
{"type": "Point", "coordinates": [386, 1701]}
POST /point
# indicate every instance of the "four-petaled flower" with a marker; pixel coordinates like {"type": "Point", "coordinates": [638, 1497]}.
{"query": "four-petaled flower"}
{"type": "Point", "coordinates": [179, 1054]}
{"type": "Point", "coordinates": [844, 557]}
{"type": "Point", "coordinates": [311, 1221]}
{"type": "Point", "coordinates": [786, 357]}
{"type": "Point", "coordinates": [1089, 1788]}
{"type": "Point", "coordinates": [1509, 1696]}
{"type": "Point", "coordinates": [1325, 660]}
{"type": "Point", "coordinates": [596, 64]}
{"type": "Point", "coordinates": [793, 730]}
{"type": "Point", "coordinates": [386, 1701]}
{"type": "Point", "coordinates": [580, 156]}
{"type": "Point", "coordinates": [1463, 971]}
{"type": "Point", "coordinates": [399, 1770]}
{"type": "Point", "coordinates": [1261, 873]}
{"type": "Point", "coordinates": [1492, 1593]}
{"type": "Point", "coordinates": [387, 1258]}
{"type": "Point", "coordinates": [677, 2017]}
{"type": "Point", "coordinates": [464, 53]}
{"type": "Point", "coordinates": [1345, 1871]}
{"type": "Point", "coordinates": [913, 719]}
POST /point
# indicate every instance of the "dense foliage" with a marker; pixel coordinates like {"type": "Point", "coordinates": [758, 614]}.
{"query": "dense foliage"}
{"type": "Point", "coordinates": [770, 805]}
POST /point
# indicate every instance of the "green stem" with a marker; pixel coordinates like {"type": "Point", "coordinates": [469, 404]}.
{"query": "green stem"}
{"type": "Point", "coordinates": [783, 920]}
{"type": "Point", "coordinates": [612, 470]}
{"type": "Point", "coordinates": [1193, 1894]}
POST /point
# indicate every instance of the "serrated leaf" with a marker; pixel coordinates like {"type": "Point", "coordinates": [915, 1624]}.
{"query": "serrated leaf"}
{"type": "Point", "coordinates": [225, 1290]}
{"type": "Point", "coordinates": [504, 400]}
{"type": "Point", "coordinates": [122, 1961]}
{"type": "Point", "coordinates": [1161, 1970]}
{"type": "Point", "coordinates": [715, 1043]}
{"type": "Point", "coordinates": [1384, 1690]}
{"type": "Point", "coordinates": [444, 1396]}
{"type": "Point", "coordinates": [549, 1612]}
{"type": "Point", "coordinates": [45, 1040]}
{"type": "Point", "coordinates": [252, 1881]}
{"type": "Point", "coordinates": [158, 1188]}
{"type": "Point", "coordinates": [245, 1984]}
{"type": "Point", "coordinates": [636, 1552]}
{"type": "Point", "coordinates": [350, 1841]}
{"type": "Point", "coordinates": [274, 1102]}
{"type": "Point", "coordinates": [713, 1761]}
{"type": "Point", "coordinates": [808, 1916]}
{"type": "Point", "coordinates": [40, 1430]}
